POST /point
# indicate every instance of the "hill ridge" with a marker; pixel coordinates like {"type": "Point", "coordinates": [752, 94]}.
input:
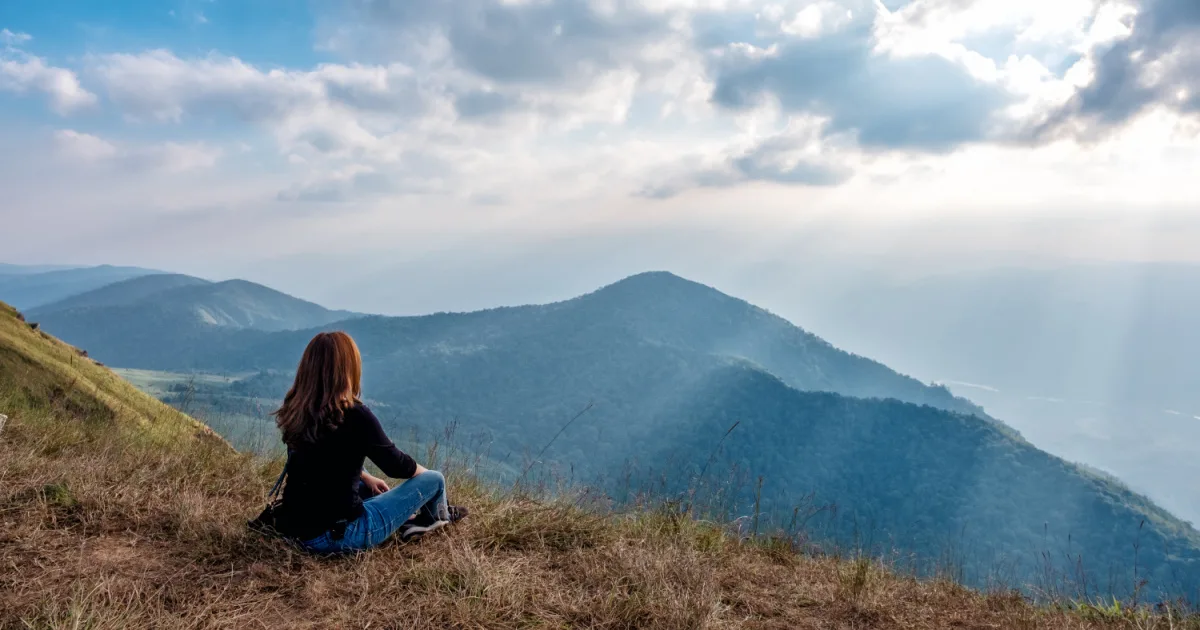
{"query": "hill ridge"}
{"type": "Point", "coordinates": [30, 290]}
{"type": "Point", "coordinates": [121, 292]}
{"type": "Point", "coordinates": [180, 305]}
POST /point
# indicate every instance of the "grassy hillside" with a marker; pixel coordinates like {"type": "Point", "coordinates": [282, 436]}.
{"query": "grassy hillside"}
{"type": "Point", "coordinates": [45, 378]}
{"type": "Point", "coordinates": [119, 512]}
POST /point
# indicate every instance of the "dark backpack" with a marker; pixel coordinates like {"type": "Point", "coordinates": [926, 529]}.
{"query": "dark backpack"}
{"type": "Point", "coordinates": [267, 521]}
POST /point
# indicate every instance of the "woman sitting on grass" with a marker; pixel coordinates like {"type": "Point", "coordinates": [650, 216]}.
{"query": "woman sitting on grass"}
{"type": "Point", "coordinates": [329, 433]}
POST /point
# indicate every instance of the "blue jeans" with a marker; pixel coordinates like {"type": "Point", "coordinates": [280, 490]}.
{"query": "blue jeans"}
{"type": "Point", "coordinates": [384, 514]}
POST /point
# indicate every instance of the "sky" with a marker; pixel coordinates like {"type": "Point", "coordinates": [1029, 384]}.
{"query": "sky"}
{"type": "Point", "coordinates": [412, 156]}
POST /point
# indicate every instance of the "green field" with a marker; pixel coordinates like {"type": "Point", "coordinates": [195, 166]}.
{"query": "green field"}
{"type": "Point", "coordinates": [244, 421]}
{"type": "Point", "coordinates": [158, 383]}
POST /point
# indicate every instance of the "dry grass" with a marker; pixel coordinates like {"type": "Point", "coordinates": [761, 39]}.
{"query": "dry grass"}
{"type": "Point", "coordinates": [112, 519]}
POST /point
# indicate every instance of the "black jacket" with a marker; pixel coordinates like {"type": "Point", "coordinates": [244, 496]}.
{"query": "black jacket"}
{"type": "Point", "coordinates": [324, 478]}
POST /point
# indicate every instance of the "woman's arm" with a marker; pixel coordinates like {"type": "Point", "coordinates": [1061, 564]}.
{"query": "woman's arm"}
{"type": "Point", "coordinates": [374, 484]}
{"type": "Point", "coordinates": [380, 449]}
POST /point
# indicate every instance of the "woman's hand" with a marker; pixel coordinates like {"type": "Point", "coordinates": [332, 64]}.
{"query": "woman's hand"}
{"type": "Point", "coordinates": [376, 485]}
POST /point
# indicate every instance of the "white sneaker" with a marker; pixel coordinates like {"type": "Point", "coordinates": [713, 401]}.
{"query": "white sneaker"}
{"type": "Point", "coordinates": [411, 531]}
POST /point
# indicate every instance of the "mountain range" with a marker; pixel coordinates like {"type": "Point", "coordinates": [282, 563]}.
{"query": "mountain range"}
{"type": "Point", "coordinates": [690, 393]}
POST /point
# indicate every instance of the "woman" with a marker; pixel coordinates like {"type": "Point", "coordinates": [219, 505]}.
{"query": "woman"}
{"type": "Point", "coordinates": [329, 433]}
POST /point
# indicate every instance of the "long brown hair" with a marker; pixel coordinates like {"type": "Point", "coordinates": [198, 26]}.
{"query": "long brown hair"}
{"type": "Point", "coordinates": [328, 381]}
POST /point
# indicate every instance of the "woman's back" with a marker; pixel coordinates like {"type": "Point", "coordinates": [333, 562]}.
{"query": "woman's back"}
{"type": "Point", "coordinates": [323, 477]}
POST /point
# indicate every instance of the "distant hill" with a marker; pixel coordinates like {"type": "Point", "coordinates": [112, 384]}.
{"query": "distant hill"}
{"type": "Point", "coordinates": [173, 306]}
{"type": "Point", "coordinates": [123, 293]}
{"type": "Point", "coordinates": [15, 270]}
{"type": "Point", "coordinates": [27, 288]}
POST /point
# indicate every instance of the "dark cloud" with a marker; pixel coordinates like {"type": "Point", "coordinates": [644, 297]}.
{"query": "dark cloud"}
{"type": "Point", "coordinates": [1157, 64]}
{"type": "Point", "coordinates": [924, 103]}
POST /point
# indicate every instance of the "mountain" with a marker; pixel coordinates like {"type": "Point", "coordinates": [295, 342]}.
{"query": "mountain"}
{"type": "Point", "coordinates": [178, 307]}
{"type": "Point", "coordinates": [28, 289]}
{"type": "Point", "coordinates": [659, 309]}
{"type": "Point", "coordinates": [668, 366]}
{"type": "Point", "coordinates": [134, 515]}
{"type": "Point", "coordinates": [123, 293]}
{"type": "Point", "coordinates": [7, 269]}
{"type": "Point", "coordinates": [897, 478]}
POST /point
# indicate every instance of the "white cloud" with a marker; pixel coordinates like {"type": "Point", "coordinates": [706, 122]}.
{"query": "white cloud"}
{"type": "Point", "coordinates": [21, 72]}
{"type": "Point", "coordinates": [9, 38]}
{"type": "Point", "coordinates": [83, 147]}
{"type": "Point", "coordinates": [169, 157]}
{"type": "Point", "coordinates": [158, 85]}
{"type": "Point", "coordinates": [340, 110]}
{"type": "Point", "coordinates": [540, 102]}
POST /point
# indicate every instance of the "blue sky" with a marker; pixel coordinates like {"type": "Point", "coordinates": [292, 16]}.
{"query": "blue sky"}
{"type": "Point", "coordinates": [258, 31]}
{"type": "Point", "coordinates": [471, 139]}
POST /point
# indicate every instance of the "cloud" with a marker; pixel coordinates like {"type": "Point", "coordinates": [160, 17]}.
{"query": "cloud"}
{"type": "Point", "coordinates": [9, 38]}
{"type": "Point", "coordinates": [411, 173]}
{"type": "Point", "coordinates": [793, 156]}
{"type": "Point", "coordinates": [512, 98]}
{"type": "Point", "coordinates": [330, 109]}
{"type": "Point", "coordinates": [21, 72]}
{"type": "Point", "coordinates": [777, 160]}
{"type": "Point", "coordinates": [1157, 64]}
{"type": "Point", "coordinates": [168, 157]}
{"type": "Point", "coordinates": [560, 42]}
{"type": "Point", "coordinates": [158, 85]}
{"type": "Point", "coordinates": [83, 147]}
{"type": "Point", "coordinates": [546, 64]}
{"type": "Point", "coordinates": [484, 104]}
{"type": "Point", "coordinates": [754, 166]}
{"type": "Point", "coordinates": [923, 102]}
{"type": "Point", "coordinates": [351, 183]}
